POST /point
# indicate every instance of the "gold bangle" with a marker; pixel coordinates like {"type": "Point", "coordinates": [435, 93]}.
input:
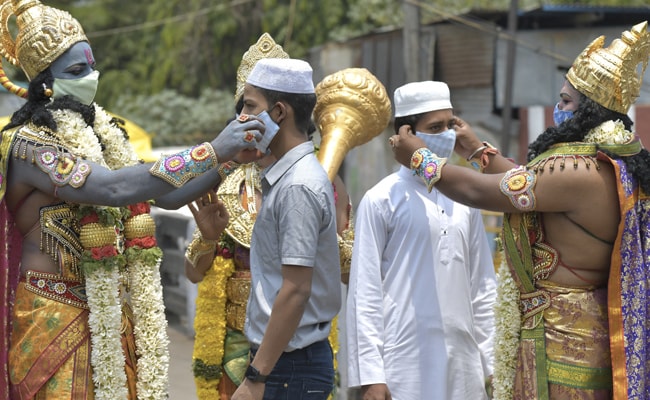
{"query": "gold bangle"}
{"type": "Point", "coordinates": [199, 247]}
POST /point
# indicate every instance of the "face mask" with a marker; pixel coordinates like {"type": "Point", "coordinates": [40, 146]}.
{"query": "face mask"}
{"type": "Point", "coordinates": [269, 133]}
{"type": "Point", "coordinates": [560, 116]}
{"type": "Point", "coordinates": [82, 89]}
{"type": "Point", "coordinates": [440, 143]}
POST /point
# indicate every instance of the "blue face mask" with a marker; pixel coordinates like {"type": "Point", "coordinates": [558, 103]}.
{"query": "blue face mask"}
{"type": "Point", "coordinates": [560, 116]}
{"type": "Point", "coordinates": [440, 143]}
{"type": "Point", "coordinates": [269, 133]}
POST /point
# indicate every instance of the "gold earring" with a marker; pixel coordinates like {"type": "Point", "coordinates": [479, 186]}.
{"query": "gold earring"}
{"type": "Point", "coordinates": [47, 91]}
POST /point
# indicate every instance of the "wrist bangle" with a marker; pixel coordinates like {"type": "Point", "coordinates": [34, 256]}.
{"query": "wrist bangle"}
{"type": "Point", "coordinates": [199, 247]}
{"type": "Point", "coordinates": [484, 160]}
{"type": "Point", "coordinates": [177, 169]}
{"type": "Point", "coordinates": [478, 150]}
{"type": "Point", "coordinates": [428, 166]}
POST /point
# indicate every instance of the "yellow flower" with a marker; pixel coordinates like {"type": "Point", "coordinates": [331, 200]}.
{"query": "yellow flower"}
{"type": "Point", "coordinates": [210, 323]}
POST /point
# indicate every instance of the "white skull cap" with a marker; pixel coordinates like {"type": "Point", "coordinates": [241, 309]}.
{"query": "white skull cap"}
{"type": "Point", "coordinates": [286, 75]}
{"type": "Point", "coordinates": [421, 97]}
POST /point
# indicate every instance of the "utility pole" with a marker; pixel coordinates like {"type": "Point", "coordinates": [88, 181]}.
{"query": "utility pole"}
{"type": "Point", "coordinates": [509, 78]}
{"type": "Point", "coordinates": [411, 41]}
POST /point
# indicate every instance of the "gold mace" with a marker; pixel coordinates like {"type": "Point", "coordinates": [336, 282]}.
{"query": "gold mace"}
{"type": "Point", "coordinates": [352, 107]}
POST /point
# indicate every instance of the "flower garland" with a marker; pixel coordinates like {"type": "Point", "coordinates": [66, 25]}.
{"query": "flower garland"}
{"type": "Point", "coordinates": [507, 318]}
{"type": "Point", "coordinates": [210, 323]}
{"type": "Point", "coordinates": [152, 343]}
{"type": "Point", "coordinates": [609, 132]}
{"type": "Point", "coordinates": [101, 262]}
{"type": "Point", "coordinates": [102, 265]}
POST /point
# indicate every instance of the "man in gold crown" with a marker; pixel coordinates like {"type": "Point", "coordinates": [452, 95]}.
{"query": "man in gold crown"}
{"type": "Point", "coordinates": [78, 240]}
{"type": "Point", "coordinates": [220, 348]}
{"type": "Point", "coordinates": [571, 314]}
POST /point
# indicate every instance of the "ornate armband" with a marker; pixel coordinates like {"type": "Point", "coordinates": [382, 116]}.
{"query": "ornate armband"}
{"type": "Point", "coordinates": [428, 166]}
{"type": "Point", "coordinates": [484, 160]}
{"type": "Point", "coordinates": [199, 247]}
{"type": "Point", "coordinates": [518, 184]}
{"type": "Point", "coordinates": [62, 167]}
{"type": "Point", "coordinates": [179, 168]}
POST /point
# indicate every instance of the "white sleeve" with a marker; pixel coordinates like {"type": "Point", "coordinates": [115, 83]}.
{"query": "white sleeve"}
{"type": "Point", "coordinates": [365, 318]}
{"type": "Point", "coordinates": [483, 281]}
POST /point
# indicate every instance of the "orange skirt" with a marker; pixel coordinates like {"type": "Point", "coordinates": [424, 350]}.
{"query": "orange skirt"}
{"type": "Point", "coordinates": [49, 355]}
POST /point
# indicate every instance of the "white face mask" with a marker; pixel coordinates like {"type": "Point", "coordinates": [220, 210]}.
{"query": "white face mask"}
{"type": "Point", "coordinates": [82, 89]}
{"type": "Point", "coordinates": [269, 133]}
{"type": "Point", "coordinates": [440, 143]}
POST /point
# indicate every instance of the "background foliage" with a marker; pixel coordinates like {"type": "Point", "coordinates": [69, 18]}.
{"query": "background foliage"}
{"type": "Point", "coordinates": [170, 65]}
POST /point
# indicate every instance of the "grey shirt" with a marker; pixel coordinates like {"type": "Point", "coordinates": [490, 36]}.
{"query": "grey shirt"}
{"type": "Point", "coordinates": [295, 226]}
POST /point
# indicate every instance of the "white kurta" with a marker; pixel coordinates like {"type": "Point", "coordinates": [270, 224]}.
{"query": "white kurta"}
{"type": "Point", "coordinates": [422, 288]}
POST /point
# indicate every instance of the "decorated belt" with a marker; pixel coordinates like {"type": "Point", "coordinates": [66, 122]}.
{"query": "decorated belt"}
{"type": "Point", "coordinates": [57, 288]}
{"type": "Point", "coordinates": [534, 303]}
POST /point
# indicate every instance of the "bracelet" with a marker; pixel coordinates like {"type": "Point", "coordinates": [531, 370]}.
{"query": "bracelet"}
{"type": "Point", "coordinates": [428, 166]}
{"type": "Point", "coordinates": [179, 168]}
{"type": "Point", "coordinates": [484, 160]}
{"type": "Point", "coordinates": [199, 247]}
{"type": "Point", "coordinates": [476, 152]}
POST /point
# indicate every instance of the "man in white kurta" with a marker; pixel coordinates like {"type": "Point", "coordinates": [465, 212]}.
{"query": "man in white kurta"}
{"type": "Point", "coordinates": [422, 287]}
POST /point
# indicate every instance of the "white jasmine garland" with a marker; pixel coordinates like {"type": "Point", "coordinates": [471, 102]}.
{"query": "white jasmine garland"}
{"type": "Point", "coordinates": [507, 331]}
{"type": "Point", "coordinates": [103, 287]}
{"type": "Point", "coordinates": [609, 132]}
{"type": "Point", "coordinates": [150, 331]}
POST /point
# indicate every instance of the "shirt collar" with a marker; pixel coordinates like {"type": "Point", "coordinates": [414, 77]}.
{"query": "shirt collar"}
{"type": "Point", "coordinates": [408, 175]}
{"type": "Point", "coordinates": [275, 171]}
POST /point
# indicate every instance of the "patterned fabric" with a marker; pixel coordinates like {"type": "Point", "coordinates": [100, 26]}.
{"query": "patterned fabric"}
{"type": "Point", "coordinates": [10, 253]}
{"type": "Point", "coordinates": [629, 292]}
{"type": "Point", "coordinates": [575, 337]}
{"type": "Point", "coordinates": [50, 349]}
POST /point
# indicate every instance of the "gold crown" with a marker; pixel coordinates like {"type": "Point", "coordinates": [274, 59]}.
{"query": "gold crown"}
{"type": "Point", "coordinates": [610, 76]}
{"type": "Point", "coordinates": [264, 48]}
{"type": "Point", "coordinates": [44, 34]}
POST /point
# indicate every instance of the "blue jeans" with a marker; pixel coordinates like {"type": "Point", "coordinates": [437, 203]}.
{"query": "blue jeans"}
{"type": "Point", "coordinates": [305, 374]}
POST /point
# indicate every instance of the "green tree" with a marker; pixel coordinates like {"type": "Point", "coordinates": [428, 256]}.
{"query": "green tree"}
{"type": "Point", "coordinates": [159, 58]}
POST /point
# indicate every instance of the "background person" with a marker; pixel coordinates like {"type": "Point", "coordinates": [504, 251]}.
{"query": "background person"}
{"type": "Point", "coordinates": [422, 282]}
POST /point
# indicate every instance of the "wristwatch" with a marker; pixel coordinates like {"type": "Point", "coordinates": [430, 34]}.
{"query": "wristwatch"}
{"type": "Point", "coordinates": [253, 375]}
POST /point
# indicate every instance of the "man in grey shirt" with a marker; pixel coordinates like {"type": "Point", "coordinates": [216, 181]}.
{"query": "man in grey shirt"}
{"type": "Point", "coordinates": [295, 273]}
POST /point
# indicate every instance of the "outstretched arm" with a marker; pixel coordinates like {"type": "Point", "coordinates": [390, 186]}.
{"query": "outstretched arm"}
{"type": "Point", "coordinates": [517, 190]}
{"type": "Point", "coordinates": [65, 175]}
